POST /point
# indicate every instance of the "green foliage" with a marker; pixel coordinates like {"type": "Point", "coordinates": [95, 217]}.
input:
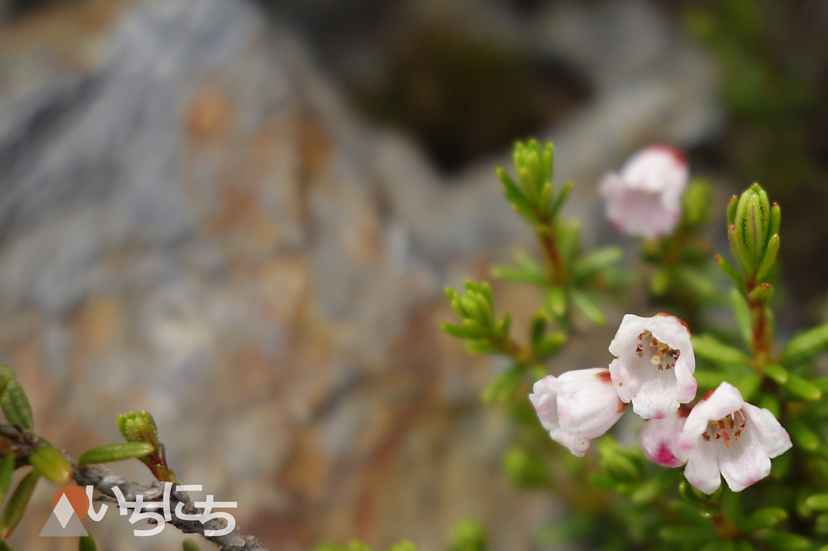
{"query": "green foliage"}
{"type": "Point", "coordinates": [6, 472]}
{"type": "Point", "coordinates": [707, 347]}
{"type": "Point", "coordinates": [16, 506]}
{"type": "Point", "coordinates": [753, 231]}
{"type": "Point", "coordinates": [568, 274]}
{"type": "Point", "coordinates": [525, 468]}
{"type": "Point", "coordinates": [13, 400]}
{"type": "Point", "coordinates": [140, 427]}
{"type": "Point", "coordinates": [87, 543]}
{"type": "Point", "coordinates": [51, 463]}
{"type": "Point", "coordinates": [117, 452]}
{"type": "Point", "coordinates": [625, 501]}
{"type": "Point", "coordinates": [679, 276]}
{"type": "Point", "coordinates": [469, 535]}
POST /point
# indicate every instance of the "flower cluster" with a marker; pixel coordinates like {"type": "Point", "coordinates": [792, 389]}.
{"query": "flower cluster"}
{"type": "Point", "coordinates": [721, 435]}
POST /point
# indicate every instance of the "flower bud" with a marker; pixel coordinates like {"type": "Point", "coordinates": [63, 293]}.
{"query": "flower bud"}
{"type": "Point", "coordinates": [753, 227]}
{"type": "Point", "coordinates": [533, 166]}
{"type": "Point", "coordinates": [140, 427]}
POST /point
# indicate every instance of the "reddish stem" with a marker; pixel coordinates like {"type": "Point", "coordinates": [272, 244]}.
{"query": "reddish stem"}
{"type": "Point", "coordinates": [558, 274]}
{"type": "Point", "coordinates": [760, 327]}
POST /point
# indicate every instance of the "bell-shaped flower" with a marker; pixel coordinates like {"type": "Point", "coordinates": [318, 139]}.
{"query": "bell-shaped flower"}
{"type": "Point", "coordinates": [644, 197]}
{"type": "Point", "coordinates": [577, 406]}
{"type": "Point", "coordinates": [723, 434]}
{"type": "Point", "coordinates": [654, 364]}
{"type": "Point", "coordinates": [657, 436]}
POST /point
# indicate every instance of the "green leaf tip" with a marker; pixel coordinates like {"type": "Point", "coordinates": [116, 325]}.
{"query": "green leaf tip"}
{"type": "Point", "coordinates": [14, 401]}
{"type": "Point", "coordinates": [52, 464]}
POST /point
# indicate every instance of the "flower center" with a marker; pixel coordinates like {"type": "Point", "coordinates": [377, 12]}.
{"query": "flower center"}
{"type": "Point", "coordinates": [660, 354]}
{"type": "Point", "coordinates": [728, 429]}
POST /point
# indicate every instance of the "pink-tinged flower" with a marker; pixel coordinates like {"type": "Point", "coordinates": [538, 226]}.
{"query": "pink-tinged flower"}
{"type": "Point", "coordinates": [654, 364]}
{"type": "Point", "coordinates": [657, 438]}
{"type": "Point", "coordinates": [577, 406]}
{"type": "Point", "coordinates": [644, 197]}
{"type": "Point", "coordinates": [723, 434]}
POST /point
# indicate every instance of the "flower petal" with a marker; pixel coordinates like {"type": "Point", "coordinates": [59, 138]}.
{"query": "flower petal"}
{"type": "Point", "coordinates": [656, 396]}
{"type": "Point", "coordinates": [576, 406]}
{"type": "Point", "coordinates": [545, 399]}
{"type": "Point", "coordinates": [657, 439]}
{"type": "Point", "coordinates": [745, 462]}
{"type": "Point", "coordinates": [702, 470]}
{"type": "Point", "coordinates": [587, 402]}
{"type": "Point", "coordinates": [773, 437]}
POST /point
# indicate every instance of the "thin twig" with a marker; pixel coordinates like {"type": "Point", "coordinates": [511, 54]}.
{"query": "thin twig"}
{"type": "Point", "coordinates": [105, 481]}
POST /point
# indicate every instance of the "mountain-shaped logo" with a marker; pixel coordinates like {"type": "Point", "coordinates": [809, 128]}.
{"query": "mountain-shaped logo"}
{"type": "Point", "coordinates": [69, 505]}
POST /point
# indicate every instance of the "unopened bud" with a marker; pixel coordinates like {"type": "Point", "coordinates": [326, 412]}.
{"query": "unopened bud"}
{"type": "Point", "coordinates": [140, 427]}
{"type": "Point", "coordinates": [753, 227]}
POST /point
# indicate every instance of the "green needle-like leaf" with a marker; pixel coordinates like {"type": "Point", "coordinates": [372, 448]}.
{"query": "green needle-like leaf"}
{"type": "Point", "coordinates": [550, 343]}
{"type": "Point", "coordinates": [17, 504]}
{"type": "Point", "coordinates": [456, 331]}
{"type": "Point", "coordinates": [587, 307]}
{"type": "Point", "coordinates": [731, 272]}
{"type": "Point", "coordinates": [519, 275]}
{"type": "Point", "coordinates": [13, 400]}
{"type": "Point", "coordinates": [117, 452]}
{"type": "Point", "coordinates": [770, 258]}
{"type": "Point", "coordinates": [802, 435]}
{"type": "Point", "coordinates": [783, 541]}
{"type": "Point", "coordinates": [818, 502]}
{"type": "Point", "coordinates": [806, 345]}
{"type": "Point", "coordinates": [801, 388]}
{"type": "Point", "coordinates": [738, 249]}
{"type": "Point", "coordinates": [556, 301]}
{"type": "Point", "coordinates": [777, 373]}
{"type": "Point", "coordinates": [711, 349]}
{"type": "Point", "coordinates": [6, 472]}
{"type": "Point", "coordinates": [731, 210]}
{"type": "Point", "coordinates": [596, 262]}
{"type": "Point", "coordinates": [563, 195]}
{"type": "Point", "coordinates": [765, 518]}
{"type": "Point", "coordinates": [709, 379]}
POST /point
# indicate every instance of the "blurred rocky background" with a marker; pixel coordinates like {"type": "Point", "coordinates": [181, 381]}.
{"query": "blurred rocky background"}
{"type": "Point", "coordinates": [241, 217]}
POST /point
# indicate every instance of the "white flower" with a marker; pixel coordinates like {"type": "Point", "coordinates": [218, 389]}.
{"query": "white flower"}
{"type": "Point", "coordinates": [723, 434]}
{"type": "Point", "coordinates": [654, 364]}
{"type": "Point", "coordinates": [657, 438]}
{"type": "Point", "coordinates": [644, 198]}
{"type": "Point", "coordinates": [577, 406]}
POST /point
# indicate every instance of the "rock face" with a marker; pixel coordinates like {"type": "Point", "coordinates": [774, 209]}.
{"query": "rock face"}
{"type": "Point", "coordinates": [192, 223]}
